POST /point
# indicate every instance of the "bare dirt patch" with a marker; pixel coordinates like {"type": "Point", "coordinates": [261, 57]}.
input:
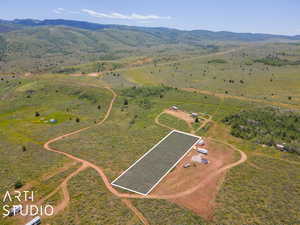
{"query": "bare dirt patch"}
{"type": "Point", "coordinates": [181, 115]}
{"type": "Point", "coordinates": [93, 74]}
{"type": "Point", "coordinates": [86, 75]}
{"type": "Point", "coordinates": [27, 74]}
{"type": "Point", "coordinates": [181, 180]}
{"type": "Point", "coordinates": [142, 61]}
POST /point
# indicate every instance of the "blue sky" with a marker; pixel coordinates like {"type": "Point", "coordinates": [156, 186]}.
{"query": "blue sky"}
{"type": "Point", "coordinates": [261, 16]}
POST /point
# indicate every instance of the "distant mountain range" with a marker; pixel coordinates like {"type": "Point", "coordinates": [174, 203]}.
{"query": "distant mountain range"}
{"type": "Point", "coordinates": [164, 33]}
{"type": "Point", "coordinates": [44, 45]}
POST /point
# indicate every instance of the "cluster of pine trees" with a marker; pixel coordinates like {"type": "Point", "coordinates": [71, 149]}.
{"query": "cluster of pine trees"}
{"type": "Point", "coordinates": [276, 61]}
{"type": "Point", "coordinates": [3, 48]}
{"type": "Point", "coordinates": [270, 126]}
{"type": "Point", "coordinates": [146, 91]}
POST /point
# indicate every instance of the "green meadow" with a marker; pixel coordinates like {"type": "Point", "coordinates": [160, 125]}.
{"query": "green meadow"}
{"type": "Point", "coordinates": [263, 190]}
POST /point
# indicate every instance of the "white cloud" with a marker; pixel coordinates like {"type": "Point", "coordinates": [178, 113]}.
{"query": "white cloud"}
{"type": "Point", "coordinates": [58, 11]}
{"type": "Point", "coordinates": [64, 11]}
{"type": "Point", "coordinates": [116, 15]}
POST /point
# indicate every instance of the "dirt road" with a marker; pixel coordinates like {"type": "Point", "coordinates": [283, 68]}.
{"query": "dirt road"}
{"type": "Point", "coordinates": [164, 63]}
{"type": "Point", "coordinates": [124, 196]}
{"type": "Point", "coordinates": [85, 164]}
{"type": "Point", "coordinates": [209, 176]}
{"type": "Point", "coordinates": [136, 211]}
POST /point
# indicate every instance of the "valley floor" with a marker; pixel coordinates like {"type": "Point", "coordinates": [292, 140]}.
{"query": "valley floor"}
{"type": "Point", "coordinates": [103, 123]}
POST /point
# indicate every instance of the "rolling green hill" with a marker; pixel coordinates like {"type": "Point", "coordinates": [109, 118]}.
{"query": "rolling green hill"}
{"type": "Point", "coordinates": [161, 32]}
{"type": "Point", "coordinates": [39, 46]}
{"type": "Point", "coordinates": [37, 49]}
{"type": "Point", "coordinates": [116, 81]}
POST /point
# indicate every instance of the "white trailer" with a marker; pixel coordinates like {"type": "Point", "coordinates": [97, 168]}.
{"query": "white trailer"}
{"type": "Point", "coordinates": [174, 108]}
{"type": "Point", "coordinates": [194, 115]}
{"type": "Point", "coordinates": [201, 142]}
{"type": "Point", "coordinates": [202, 150]}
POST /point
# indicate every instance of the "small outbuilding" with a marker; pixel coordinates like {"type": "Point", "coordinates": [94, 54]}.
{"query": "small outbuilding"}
{"type": "Point", "coordinates": [194, 115]}
{"type": "Point", "coordinates": [53, 121]}
{"type": "Point", "coordinates": [281, 147]}
{"type": "Point", "coordinates": [175, 108]}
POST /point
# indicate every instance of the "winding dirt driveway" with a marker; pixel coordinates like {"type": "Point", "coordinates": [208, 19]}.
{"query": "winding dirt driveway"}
{"type": "Point", "coordinates": [209, 176]}
{"type": "Point", "coordinates": [124, 196]}
{"type": "Point", "coordinates": [85, 164]}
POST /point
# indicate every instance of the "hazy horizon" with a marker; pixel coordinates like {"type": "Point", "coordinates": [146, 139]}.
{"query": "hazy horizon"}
{"type": "Point", "coordinates": [181, 29]}
{"type": "Point", "coordinates": [266, 17]}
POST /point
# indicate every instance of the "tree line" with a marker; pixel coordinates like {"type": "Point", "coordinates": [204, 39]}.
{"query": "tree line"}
{"type": "Point", "coordinates": [270, 126]}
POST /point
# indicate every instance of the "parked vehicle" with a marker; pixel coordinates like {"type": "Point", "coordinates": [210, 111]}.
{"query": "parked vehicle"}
{"type": "Point", "coordinates": [16, 209]}
{"type": "Point", "coordinates": [205, 161]}
{"type": "Point", "coordinates": [35, 221]}
{"type": "Point", "coordinates": [202, 150]}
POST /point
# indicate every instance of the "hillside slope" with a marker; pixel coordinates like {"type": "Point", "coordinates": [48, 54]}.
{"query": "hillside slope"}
{"type": "Point", "coordinates": [157, 31]}
{"type": "Point", "coordinates": [40, 46]}
{"type": "Point", "coordinates": [44, 48]}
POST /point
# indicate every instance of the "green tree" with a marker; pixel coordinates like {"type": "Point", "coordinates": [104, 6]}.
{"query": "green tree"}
{"type": "Point", "coordinates": [24, 149]}
{"type": "Point", "coordinates": [3, 48]}
{"type": "Point", "coordinates": [18, 184]}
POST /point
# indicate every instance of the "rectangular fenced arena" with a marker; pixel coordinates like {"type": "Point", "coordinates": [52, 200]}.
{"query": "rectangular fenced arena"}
{"type": "Point", "coordinates": [143, 176]}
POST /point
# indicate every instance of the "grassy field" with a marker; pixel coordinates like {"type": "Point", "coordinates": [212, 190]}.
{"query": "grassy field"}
{"type": "Point", "coordinates": [91, 203]}
{"type": "Point", "coordinates": [59, 48]}
{"type": "Point", "coordinates": [261, 191]}
{"type": "Point", "coordinates": [23, 133]}
{"type": "Point", "coordinates": [108, 147]}
{"type": "Point", "coordinates": [264, 190]}
{"type": "Point", "coordinates": [163, 212]}
{"type": "Point", "coordinates": [174, 122]}
{"type": "Point", "coordinates": [268, 194]}
{"type": "Point", "coordinates": [238, 75]}
{"type": "Point", "coordinates": [137, 122]}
